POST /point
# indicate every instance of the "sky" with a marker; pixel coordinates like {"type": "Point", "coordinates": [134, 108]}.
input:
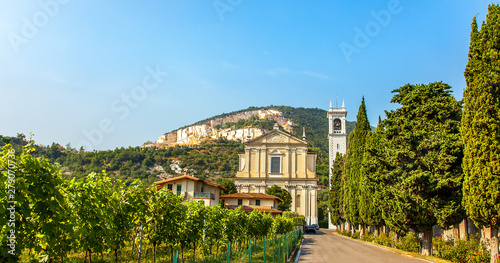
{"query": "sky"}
{"type": "Point", "coordinates": [107, 74]}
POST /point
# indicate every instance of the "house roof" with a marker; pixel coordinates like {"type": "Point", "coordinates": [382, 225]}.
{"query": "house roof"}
{"type": "Point", "coordinates": [273, 133]}
{"type": "Point", "coordinates": [251, 196]}
{"type": "Point", "coordinates": [190, 178]}
{"type": "Point", "coordinates": [249, 209]}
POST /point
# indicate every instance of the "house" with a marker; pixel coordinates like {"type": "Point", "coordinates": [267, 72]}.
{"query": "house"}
{"type": "Point", "coordinates": [192, 188]}
{"type": "Point", "coordinates": [278, 158]}
{"type": "Point", "coordinates": [253, 201]}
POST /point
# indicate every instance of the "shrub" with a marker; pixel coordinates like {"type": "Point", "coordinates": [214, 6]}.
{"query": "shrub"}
{"type": "Point", "coordinates": [443, 248]}
{"type": "Point", "coordinates": [461, 251]}
{"type": "Point", "coordinates": [383, 240]}
{"type": "Point", "coordinates": [410, 243]}
{"type": "Point", "coordinates": [355, 235]}
{"type": "Point", "coordinates": [479, 256]}
{"type": "Point", "coordinates": [368, 237]}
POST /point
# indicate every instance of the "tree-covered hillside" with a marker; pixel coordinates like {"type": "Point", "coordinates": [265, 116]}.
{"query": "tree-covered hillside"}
{"type": "Point", "coordinates": [209, 160]}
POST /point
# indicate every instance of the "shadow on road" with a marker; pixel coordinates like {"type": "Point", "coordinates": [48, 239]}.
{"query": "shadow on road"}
{"type": "Point", "coordinates": [319, 232]}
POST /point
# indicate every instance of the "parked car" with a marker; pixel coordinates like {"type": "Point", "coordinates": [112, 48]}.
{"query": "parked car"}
{"type": "Point", "coordinates": [310, 229]}
{"type": "Point", "coordinates": [316, 226]}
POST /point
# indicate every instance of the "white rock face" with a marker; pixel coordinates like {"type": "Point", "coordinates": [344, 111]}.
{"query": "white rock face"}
{"type": "Point", "coordinates": [195, 134]}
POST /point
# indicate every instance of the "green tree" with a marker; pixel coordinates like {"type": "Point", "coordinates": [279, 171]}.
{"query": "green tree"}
{"type": "Point", "coordinates": [481, 127]}
{"type": "Point", "coordinates": [93, 208]}
{"type": "Point", "coordinates": [353, 165]}
{"type": "Point", "coordinates": [214, 226]}
{"type": "Point", "coordinates": [335, 195]}
{"type": "Point", "coordinates": [370, 205]}
{"type": "Point", "coordinates": [235, 225]}
{"type": "Point", "coordinates": [258, 225]}
{"type": "Point", "coordinates": [162, 216]}
{"type": "Point", "coordinates": [34, 192]}
{"type": "Point", "coordinates": [228, 184]}
{"type": "Point", "coordinates": [424, 151]}
{"type": "Point", "coordinates": [191, 229]}
{"type": "Point", "coordinates": [282, 225]}
{"type": "Point", "coordinates": [283, 194]}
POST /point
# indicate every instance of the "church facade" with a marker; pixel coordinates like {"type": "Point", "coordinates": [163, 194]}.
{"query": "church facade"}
{"type": "Point", "coordinates": [278, 158]}
{"type": "Point", "coordinates": [337, 138]}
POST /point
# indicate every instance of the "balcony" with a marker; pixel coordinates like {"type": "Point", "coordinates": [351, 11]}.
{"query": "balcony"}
{"type": "Point", "coordinates": [204, 195]}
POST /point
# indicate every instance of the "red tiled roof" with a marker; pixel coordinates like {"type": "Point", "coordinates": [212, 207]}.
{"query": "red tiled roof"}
{"type": "Point", "coordinates": [251, 196]}
{"type": "Point", "coordinates": [248, 209]}
{"type": "Point", "coordinates": [190, 178]}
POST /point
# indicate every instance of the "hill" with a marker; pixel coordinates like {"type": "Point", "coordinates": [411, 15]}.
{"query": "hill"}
{"type": "Point", "coordinates": [208, 158]}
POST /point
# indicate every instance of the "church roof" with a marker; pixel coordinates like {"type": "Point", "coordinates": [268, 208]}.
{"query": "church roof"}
{"type": "Point", "coordinates": [251, 196]}
{"type": "Point", "coordinates": [277, 136]}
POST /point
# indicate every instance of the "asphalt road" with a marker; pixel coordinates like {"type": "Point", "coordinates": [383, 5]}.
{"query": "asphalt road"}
{"type": "Point", "coordinates": [327, 247]}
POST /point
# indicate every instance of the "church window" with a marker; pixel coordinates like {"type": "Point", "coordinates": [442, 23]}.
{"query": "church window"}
{"type": "Point", "coordinates": [275, 164]}
{"type": "Point", "coordinates": [297, 201]}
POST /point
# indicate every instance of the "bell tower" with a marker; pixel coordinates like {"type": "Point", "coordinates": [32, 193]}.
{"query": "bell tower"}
{"type": "Point", "coordinates": [337, 138]}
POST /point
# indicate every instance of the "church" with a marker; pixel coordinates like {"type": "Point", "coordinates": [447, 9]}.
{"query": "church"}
{"type": "Point", "coordinates": [278, 158]}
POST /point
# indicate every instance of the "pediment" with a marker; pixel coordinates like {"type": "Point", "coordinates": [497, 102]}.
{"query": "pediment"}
{"type": "Point", "coordinates": [276, 137]}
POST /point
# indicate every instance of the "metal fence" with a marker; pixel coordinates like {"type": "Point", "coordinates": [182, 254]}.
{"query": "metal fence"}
{"type": "Point", "coordinates": [275, 250]}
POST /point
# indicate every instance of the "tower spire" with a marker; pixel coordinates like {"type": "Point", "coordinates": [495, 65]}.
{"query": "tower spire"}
{"type": "Point", "coordinates": [304, 133]}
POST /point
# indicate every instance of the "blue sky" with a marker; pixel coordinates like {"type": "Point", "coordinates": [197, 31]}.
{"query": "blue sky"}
{"type": "Point", "coordinates": [106, 74]}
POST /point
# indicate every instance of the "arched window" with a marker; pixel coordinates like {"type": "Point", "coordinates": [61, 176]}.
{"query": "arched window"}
{"type": "Point", "coordinates": [337, 125]}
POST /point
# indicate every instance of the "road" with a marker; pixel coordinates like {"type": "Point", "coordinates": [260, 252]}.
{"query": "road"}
{"type": "Point", "coordinates": [329, 248]}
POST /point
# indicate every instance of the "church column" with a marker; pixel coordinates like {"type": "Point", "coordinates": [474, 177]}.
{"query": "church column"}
{"type": "Point", "coordinates": [306, 204]}
{"type": "Point", "coordinates": [247, 162]}
{"type": "Point", "coordinates": [314, 206]}
{"type": "Point", "coordinates": [289, 163]}
{"type": "Point", "coordinates": [304, 152]}
{"type": "Point", "coordinates": [257, 164]}
{"type": "Point", "coordinates": [294, 163]}
{"type": "Point", "coordinates": [266, 163]}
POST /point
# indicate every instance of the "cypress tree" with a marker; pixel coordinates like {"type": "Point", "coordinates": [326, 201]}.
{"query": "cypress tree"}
{"type": "Point", "coordinates": [354, 160]}
{"type": "Point", "coordinates": [481, 127]}
{"type": "Point", "coordinates": [370, 206]}
{"type": "Point", "coordinates": [335, 194]}
{"type": "Point", "coordinates": [424, 181]}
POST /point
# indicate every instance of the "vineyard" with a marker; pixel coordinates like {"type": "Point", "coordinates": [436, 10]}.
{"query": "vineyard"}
{"type": "Point", "coordinates": [46, 218]}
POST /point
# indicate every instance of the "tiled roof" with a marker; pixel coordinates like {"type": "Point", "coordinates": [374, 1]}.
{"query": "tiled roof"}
{"type": "Point", "coordinates": [190, 178]}
{"type": "Point", "coordinates": [251, 196]}
{"type": "Point", "coordinates": [249, 209]}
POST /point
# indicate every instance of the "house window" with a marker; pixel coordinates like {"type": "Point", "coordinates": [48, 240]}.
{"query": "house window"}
{"type": "Point", "coordinates": [169, 186]}
{"type": "Point", "coordinates": [202, 189]}
{"type": "Point", "coordinates": [338, 146]}
{"type": "Point", "coordinates": [179, 188]}
{"type": "Point", "coordinates": [257, 202]}
{"type": "Point", "coordinates": [275, 164]}
{"type": "Point", "coordinates": [240, 201]}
